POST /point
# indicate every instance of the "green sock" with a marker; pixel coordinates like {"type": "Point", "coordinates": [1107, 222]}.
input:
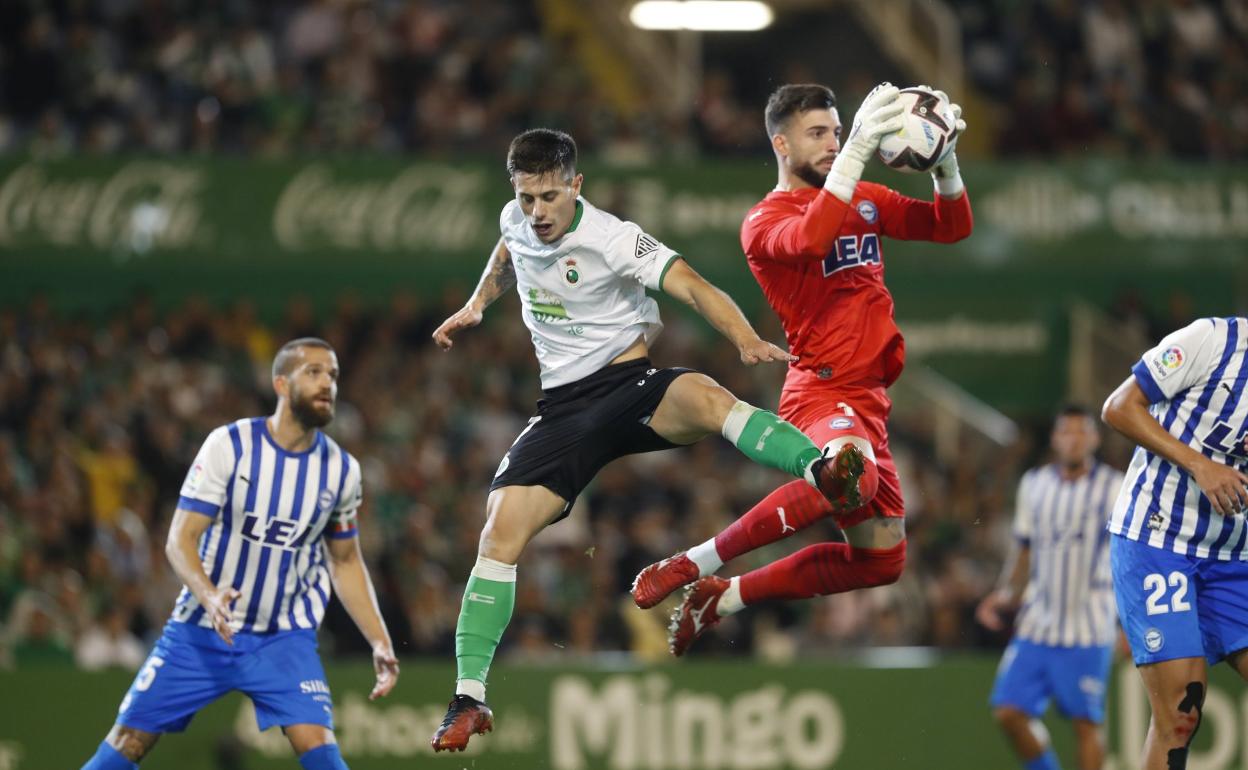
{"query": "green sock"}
{"type": "Point", "coordinates": [767, 440]}
{"type": "Point", "coordinates": [489, 598]}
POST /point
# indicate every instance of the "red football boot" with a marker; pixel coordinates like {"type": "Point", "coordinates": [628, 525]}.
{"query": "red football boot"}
{"type": "Point", "coordinates": [465, 716]}
{"type": "Point", "coordinates": [696, 613]}
{"type": "Point", "coordinates": [847, 479]}
{"type": "Point", "coordinates": [654, 583]}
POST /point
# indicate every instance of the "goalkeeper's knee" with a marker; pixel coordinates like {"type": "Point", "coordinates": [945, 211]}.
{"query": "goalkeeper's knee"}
{"type": "Point", "coordinates": [879, 566]}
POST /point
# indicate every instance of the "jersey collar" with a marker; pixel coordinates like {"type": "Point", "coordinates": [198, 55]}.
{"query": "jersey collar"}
{"type": "Point", "coordinates": [576, 218]}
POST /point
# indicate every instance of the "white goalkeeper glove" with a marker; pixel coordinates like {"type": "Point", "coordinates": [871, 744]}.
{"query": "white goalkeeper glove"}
{"type": "Point", "coordinates": [945, 173]}
{"type": "Point", "coordinates": [879, 114]}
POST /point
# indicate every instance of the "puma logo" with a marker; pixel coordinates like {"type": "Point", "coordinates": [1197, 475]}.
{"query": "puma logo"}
{"type": "Point", "coordinates": [784, 524]}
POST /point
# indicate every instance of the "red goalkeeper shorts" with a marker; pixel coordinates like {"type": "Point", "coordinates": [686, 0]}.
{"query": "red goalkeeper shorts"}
{"type": "Point", "coordinates": [825, 415]}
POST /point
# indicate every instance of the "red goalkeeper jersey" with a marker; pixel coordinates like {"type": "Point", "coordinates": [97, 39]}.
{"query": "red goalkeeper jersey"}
{"type": "Point", "coordinates": [820, 264]}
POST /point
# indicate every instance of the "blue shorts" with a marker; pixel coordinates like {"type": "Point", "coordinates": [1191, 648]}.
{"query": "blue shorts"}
{"type": "Point", "coordinates": [191, 666]}
{"type": "Point", "coordinates": [1076, 677]}
{"type": "Point", "coordinates": [1174, 606]}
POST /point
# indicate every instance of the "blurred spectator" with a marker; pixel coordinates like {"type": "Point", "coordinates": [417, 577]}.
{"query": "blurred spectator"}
{"type": "Point", "coordinates": [108, 643]}
{"type": "Point", "coordinates": [37, 635]}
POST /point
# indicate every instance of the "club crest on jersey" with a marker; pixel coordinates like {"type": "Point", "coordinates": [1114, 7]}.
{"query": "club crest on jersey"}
{"type": "Point", "coordinates": [324, 500]}
{"type": "Point", "coordinates": [571, 275]}
{"type": "Point", "coordinates": [852, 251]}
{"type": "Point", "coordinates": [1154, 640]}
{"type": "Point", "coordinates": [841, 423]}
{"type": "Point", "coordinates": [1169, 360]}
{"type": "Point", "coordinates": [645, 246]}
{"type": "Point", "coordinates": [868, 211]}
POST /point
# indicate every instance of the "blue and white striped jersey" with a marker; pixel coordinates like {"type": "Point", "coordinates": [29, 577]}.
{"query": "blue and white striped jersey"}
{"type": "Point", "coordinates": [1069, 600]}
{"type": "Point", "coordinates": [270, 509]}
{"type": "Point", "coordinates": [1195, 381]}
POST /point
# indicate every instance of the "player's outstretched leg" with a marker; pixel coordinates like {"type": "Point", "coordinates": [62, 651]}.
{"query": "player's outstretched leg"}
{"type": "Point", "coordinates": [695, 406]}
{"type": "Point", "coordinates": [817, 570]}
{"type": "Point", "coordinates": [768, 440]}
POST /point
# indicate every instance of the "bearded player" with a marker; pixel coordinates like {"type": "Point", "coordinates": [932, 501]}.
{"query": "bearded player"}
{"type": "Point", "coordinates": [265, 527]}
{"type": "Point", "coordinates": [815, 246]}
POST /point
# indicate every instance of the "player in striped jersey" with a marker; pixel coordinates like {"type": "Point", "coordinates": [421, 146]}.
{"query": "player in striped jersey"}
{"type": "Point", "coordinates": [265, 522]}
{"type": "Point", "coordinates": [1178, 552]}
{"type": "Point", "coordinates": [1059, 572]}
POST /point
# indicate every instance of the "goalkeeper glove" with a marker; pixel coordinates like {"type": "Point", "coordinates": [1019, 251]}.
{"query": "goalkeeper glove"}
{"type": "Point", "coordinates": [879, 114]}
{"type": "Point", "coordinates": [945, 173]}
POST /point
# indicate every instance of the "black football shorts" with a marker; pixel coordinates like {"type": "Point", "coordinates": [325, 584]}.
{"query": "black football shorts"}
{"type": "Point", "coordinates": [582, 426]}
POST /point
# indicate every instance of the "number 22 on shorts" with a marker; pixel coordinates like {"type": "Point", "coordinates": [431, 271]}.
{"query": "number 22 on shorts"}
{"type": "Point", "coordinates": [1155, 584]}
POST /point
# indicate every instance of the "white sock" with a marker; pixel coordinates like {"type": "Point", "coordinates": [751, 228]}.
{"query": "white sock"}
{"type": "Point", "coordinates": [730, 601]}
{"type": "Point", "coordinates": [809, 473]}
{"type": "Point", "coordinates": [472, 688]}
{"type": "Point", "coordinates": [491, 569]}
{"type": "Point", "coordinates": [706, 557]}
{"type": "Point", "coordinates": [734, 423]}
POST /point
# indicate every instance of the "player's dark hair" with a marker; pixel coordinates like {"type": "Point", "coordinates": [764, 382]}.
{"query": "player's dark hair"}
{"type": "Point", "coordinates": [540, 151]}
{"type": "Point", "coordinates": [284, 361]}
{"type": "Point", "coordinates": [794, 99]}
{"type": "Point", "coordinates": [1074, 410]}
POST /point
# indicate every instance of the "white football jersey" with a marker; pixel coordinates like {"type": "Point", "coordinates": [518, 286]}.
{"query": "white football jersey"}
{"type": "Point", "coordinates": [270, 509]}
{"type": "Point", "coordinates": [1195, 381]}
{"type": "Point", "coordinates": [1070, 598]}
{"type": "Point", "coordinates": [584, 296]}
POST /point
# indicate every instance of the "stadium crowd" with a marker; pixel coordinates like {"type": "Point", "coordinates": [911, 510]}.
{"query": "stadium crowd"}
{"type": "Point", "coordinates": [1130, 77]}
{"type": "Point", "coordinates": [1141, 78]}
{"type": "Point", "coordinates": [100, 421]}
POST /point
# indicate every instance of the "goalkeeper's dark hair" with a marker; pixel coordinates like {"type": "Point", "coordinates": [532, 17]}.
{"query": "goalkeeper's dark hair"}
{"type": "Point", "coordinates": [794, 99]}
{"type": "Point", "coordinates": [541, 151]}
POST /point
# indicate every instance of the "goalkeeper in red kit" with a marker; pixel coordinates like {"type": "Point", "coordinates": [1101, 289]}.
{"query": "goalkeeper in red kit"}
{"type": "Point", "coordinates": [815, 244]}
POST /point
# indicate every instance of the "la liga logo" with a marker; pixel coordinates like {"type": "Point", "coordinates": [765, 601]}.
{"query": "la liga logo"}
{"type": "Point", "coordinates": [1172, 358]}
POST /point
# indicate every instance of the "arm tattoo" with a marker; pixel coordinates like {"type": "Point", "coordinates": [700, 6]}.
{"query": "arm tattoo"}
{"type": "Point", "coordinates": [499, 276]}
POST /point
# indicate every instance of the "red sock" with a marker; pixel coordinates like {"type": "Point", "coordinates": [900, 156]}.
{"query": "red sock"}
{"type": "Point", "coordinates": [802, 505]}
{"type": "Point", "coordinates": [821, 569]}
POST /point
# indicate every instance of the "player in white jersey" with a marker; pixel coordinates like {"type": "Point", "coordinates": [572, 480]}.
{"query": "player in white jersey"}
{"type": "Point", "coordinates": [1177, 551]}
{"type": "Point", "coordinates": [265, 522]}
{"type": "Point", "coordinates": [582, 276]}
{"type": "Point", "coordinates": [1058, 571]}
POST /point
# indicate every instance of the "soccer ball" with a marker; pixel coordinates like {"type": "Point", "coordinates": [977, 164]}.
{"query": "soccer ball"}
{"type": "Point", "coordinates": [927, 134]}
